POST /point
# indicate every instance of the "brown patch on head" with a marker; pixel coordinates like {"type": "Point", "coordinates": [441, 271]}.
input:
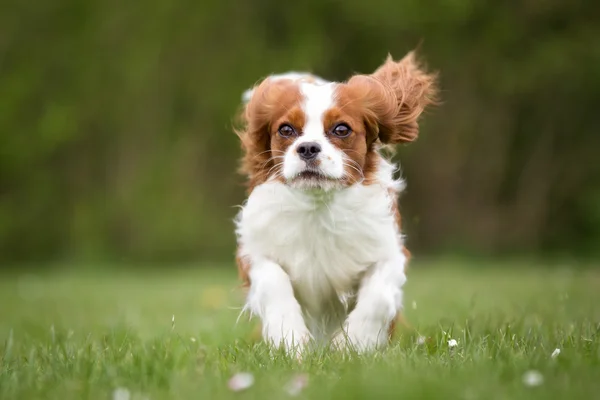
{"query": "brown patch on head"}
{"type": "Point", "coordinates": [294, 116]}
{"type": "Point", "coordinates": [355, 146]}
{"type": "Point", "coordinates": [272, 103]}
{"type": "Point", "coordinates": [360, 103]}
{"type": "Point", "coordinates": [380, 108]}
{"type": "Point", "coordinates": [391, 100]}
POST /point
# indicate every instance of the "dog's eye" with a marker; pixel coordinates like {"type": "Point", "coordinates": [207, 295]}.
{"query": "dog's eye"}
{"type": "Point", "coordinates": [286, 131]}
{"type": "Point", "coordinates": [341, 130]}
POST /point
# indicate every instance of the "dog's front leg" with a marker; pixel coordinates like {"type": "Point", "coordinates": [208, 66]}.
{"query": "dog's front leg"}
{"type": "Point", "coordinates": [378, 302]}
{"type": "Point", "coordinates": [271, 297]}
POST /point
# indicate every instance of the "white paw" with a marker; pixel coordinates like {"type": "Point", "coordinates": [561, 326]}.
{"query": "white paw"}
{"type": "Point", "coordinates": [361, 336]}
{"type": "Point", "coordinates": [293, 338]}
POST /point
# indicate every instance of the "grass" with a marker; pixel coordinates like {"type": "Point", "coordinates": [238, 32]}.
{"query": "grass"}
{"type": "Point", "coordinates": [74, 335]}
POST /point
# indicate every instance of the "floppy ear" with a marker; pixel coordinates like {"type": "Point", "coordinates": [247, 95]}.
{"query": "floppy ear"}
{"type": "Point", "coordinates": [374, 101]}
{"type": "Point", "coordinates": [263, 100]}
{"type": "Point", "coordinates": [414, 90]}
{"type": "Point", "coordinates": [267, 100]}
{"type": "Point", "coordinates": [254, 135]}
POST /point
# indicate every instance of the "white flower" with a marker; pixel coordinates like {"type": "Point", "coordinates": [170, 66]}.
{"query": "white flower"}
{"type": "Point", "coordinates": [533, 378]}
{"type": "Point", "coordinates": [452, 343]}
{"type": "Point", "coordinates": [241, 381]}
{"type": "Point", "coordinates": [555, 353]}
{"type": "Point", "coordinates": [297, 384]}
{"type": "Point", "coordinates": [421, 340]}
{"type": "Point", "coordinates": [121, 394]}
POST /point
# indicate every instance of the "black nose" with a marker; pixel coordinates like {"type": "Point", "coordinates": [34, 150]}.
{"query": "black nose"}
{"type": "Point", "coordinates": [309, 150]}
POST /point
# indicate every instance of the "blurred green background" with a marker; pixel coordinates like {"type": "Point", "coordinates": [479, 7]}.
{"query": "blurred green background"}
{"type": "Point", "coordinates": [116, 138]}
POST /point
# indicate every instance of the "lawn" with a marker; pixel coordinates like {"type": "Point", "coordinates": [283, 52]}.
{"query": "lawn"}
{"type": "Point", "coordinates": [139, 334]}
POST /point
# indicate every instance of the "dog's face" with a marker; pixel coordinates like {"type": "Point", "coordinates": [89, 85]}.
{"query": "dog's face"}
{"type": "Point", "coordinates": [312, 134]}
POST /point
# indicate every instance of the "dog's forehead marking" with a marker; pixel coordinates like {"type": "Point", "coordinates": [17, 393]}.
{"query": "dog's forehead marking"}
{"type": "Point", "coordinates": [318, 98]}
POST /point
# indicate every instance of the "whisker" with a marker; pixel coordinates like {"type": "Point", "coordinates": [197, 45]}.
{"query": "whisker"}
{"type": "Point", "coordinates": [351, 160]}
{"type": "Point", "coordinates": [271, 159]}
{"type": "Point", "coordinates": [272, 168]}
{"type": "Point", "coordinates": [354, 165]}
{"type": "Point", "coordinates": [354, 151]}
{"type": "Point", "coordinates": [351, 179]}
{"type": "Point", "coordinates": [269, 151]}
{"type": "Point", "coordinates": [362, 175]}
{"type": "Point", "coordinates": [346, 164]}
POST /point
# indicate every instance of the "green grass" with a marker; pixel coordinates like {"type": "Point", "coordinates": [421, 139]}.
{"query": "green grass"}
{"type": "Point", "coordinates": [74, 335]}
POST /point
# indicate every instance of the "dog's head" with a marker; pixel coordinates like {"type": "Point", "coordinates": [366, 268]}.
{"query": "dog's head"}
{"type": "Point", "coordinates": [313, 134]}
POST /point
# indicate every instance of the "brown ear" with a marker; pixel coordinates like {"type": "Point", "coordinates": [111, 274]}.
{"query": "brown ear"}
{"type": "Point", "coordinates": [268, 100]}
{"type": "Point", "coordinates": [377, 104]}
{"type": "Point", "coordinates": [414, 90]}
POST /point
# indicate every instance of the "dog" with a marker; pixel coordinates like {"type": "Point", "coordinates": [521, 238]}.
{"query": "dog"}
{"type": "Point", "coordinates": [320, 245]}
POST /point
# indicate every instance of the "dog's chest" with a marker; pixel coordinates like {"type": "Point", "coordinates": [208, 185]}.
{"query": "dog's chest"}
{"type": "Point", "coordinates": [324, 242]}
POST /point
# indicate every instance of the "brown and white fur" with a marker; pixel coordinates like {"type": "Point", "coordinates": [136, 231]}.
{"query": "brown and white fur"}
{"type": "Point", "coordinates": [320, 244]}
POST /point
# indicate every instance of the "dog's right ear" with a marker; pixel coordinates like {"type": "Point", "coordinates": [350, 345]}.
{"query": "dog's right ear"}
{"type": "Point", "coordinates": [268, 101]}
{"type": "Point", "coordinates": [255, 117]}
{"type": "Point", "coordinates": [414, 88]}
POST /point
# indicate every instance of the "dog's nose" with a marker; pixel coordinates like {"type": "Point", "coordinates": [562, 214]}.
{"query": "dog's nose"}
{"type": "Point", "coordinates": [308, 150]}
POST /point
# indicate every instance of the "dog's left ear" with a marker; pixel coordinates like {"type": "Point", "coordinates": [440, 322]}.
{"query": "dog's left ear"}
{"type": "Point", "coordinates": [414, 90]}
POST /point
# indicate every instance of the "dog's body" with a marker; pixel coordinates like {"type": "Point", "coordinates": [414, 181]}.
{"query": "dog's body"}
{"type": "Point", "coordinates": [320, 242]}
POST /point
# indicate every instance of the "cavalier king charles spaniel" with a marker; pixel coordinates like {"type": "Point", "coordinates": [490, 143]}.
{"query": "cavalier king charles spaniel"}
{"type": "Point", "coordinates": [320, 246]}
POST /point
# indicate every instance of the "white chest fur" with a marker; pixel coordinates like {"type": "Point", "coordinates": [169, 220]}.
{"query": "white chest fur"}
{"type": "Point", "coordinates": [323, 241]}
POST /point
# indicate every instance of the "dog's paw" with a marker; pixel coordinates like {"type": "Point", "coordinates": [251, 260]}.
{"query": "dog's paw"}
{"type": "Point", "coordinates": [360, 336]}
{"type": "Point", "coordinates": [293, 339]}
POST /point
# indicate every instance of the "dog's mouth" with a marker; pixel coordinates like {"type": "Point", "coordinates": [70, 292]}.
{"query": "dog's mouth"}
{"type": "Point", "coordinates": [308, 174]}
{"type": "Point", "coordinates": [312, 175]}
{"type": "Point", "coordinates": [314, 179]}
